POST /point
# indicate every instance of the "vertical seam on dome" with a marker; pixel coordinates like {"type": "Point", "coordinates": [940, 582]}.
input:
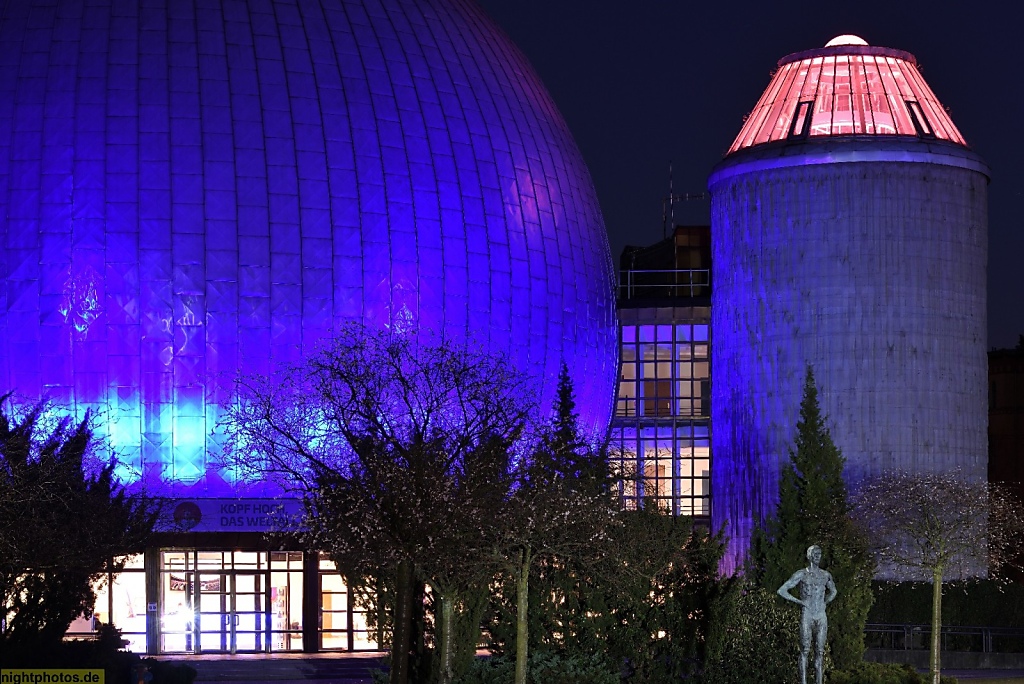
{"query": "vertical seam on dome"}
{"type": "Point", "coordinates": [5, 189]}
{"type": "Point", "coordinates": [65, 380]}
{"type": "Point", "coordinates": [302, 9]}
{"type": "Point", "coordinates": [459, 17]}
{"type": "Point", "coordinates": [427, 28]}
{"type": "Point", "coordinates": [335, 274]}
{"type": "Point", "coordinates": [542, 140]}
{"type": "Point", "coordinates": [233, 82]}
{"type": "Point", "coordinates": [439, 40]}
{"type": "Point", "coordinates": [214, 468]}
{"type": "Point", "coordinates": [577, 193]}
{"type": "Point", "coordinates": [271, 224]}
{"type": "Point", "coordinates": [356, 163]}
{"type": "Point", "coordinates": [390, 192]}
{"type": "Point", "coordinates": [515, 119]}
{"type": "Point", "coordinates": [409, 31]}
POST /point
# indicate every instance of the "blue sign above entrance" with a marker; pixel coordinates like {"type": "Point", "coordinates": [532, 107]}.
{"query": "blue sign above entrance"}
{"type": "Point", "coordinates": [232, 515]}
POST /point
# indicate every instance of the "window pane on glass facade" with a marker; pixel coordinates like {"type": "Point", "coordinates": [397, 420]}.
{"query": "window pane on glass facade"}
{"type": "Point", "coordinates": [128, 607]}
{"type": "Point", "coordinates": [660, 432]}
{"type": "Point", "coordinates": [121, 601]}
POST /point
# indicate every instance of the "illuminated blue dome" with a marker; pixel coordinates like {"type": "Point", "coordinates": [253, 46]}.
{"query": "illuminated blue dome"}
{"type": "Point", "coordinates": [196, 188]}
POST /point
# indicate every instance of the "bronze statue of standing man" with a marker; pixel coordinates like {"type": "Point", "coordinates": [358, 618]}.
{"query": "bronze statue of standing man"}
{"type": "Point", "coordinates": [816, 591]}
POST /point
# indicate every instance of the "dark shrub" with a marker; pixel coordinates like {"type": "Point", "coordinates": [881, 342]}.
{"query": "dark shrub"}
{"type": "Point", "coordinates": [165, 672]}
{"type": "Point", "coordinates": [542, 668]}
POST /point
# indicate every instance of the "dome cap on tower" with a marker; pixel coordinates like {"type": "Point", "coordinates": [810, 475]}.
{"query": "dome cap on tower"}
{"type": "Point", "coordinates": [847, 88]}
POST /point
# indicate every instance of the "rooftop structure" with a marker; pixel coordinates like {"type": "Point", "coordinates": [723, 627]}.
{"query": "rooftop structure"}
{"type": "Point", "coordinates": [846, 88]}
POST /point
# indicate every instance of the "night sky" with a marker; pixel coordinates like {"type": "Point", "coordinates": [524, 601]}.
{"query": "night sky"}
{"type": "Point", "coordinates": [647, 82]}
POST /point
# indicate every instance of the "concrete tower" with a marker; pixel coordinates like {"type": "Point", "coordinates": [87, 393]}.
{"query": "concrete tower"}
{"type": "Point", "coordinates": [849, 233]}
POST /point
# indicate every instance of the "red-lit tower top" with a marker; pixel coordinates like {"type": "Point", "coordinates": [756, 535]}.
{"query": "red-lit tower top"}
{"type": "Point", "coordinates": [846, 88]}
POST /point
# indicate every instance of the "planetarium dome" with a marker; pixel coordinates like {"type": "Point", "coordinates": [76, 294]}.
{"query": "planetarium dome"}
{"type": "Point", "coordinates": [199, 188]}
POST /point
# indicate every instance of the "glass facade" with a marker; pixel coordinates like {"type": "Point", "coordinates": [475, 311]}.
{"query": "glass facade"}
{"type": "Point", "coordinates": [206, 601]}
{"type": "Point", "coordinates": [665, 371]}
{"type": "Point", "coordinates": [121, 601]}
{"type": "Point", "coordinates": [661, 429]}
{"type": "Point", "coordinates": [343, 623]}
{"type": "Point", "coordinates": [230, 601]}
{"type": "Point", "coordinates": [660, 434]}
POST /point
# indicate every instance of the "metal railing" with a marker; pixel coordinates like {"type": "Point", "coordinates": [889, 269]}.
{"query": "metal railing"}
{"type": "Point", "coordinates": [954, 638]}
{"type": "Point", "coordinates": [634, 284]}
{"type": "Point", "coordinates": [685, 407]}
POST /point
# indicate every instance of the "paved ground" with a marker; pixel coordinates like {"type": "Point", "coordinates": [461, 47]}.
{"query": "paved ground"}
{"type": "Point", "coordinates": [985, 674]}
{"type": "Point", "coordinates": [354, 668]}
{"type": "Point", "coordinates": [284, 668]}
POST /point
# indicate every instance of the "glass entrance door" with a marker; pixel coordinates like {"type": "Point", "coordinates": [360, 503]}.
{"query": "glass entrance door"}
{"type": "Point", "coordinates": [250, 616]}
{"type": "Point", "coordinates": [240, 601]}
{"type": "Point", "coordinates": [214, 623]}
{"type": "Point", "coordinates": [230, 601]}
{"type": "Point", "coordinates": [233, 615]}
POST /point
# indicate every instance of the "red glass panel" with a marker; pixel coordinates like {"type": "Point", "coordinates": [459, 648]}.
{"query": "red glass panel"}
{"type": "Point", "coordinates": [842, 100]}
{"type": "Point", "coordinates": [821, 121]}
{"type": "Point", "coordinates": [858, 94]}
{"type": "Point", "coordinates": [781, 114]}
{"type": "Point", "coordinates": [810, 84]}
{"type": "Point", "coordinates": [863, 120]}
{"type": "Point", "coordinates": [877, 101]}
{"type": "Point", "coordinates": [895, 98]}
{"type": "Point", "coordinates": [750, 135]}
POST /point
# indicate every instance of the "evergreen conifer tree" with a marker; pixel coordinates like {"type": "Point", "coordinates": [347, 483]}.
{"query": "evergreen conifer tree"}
{"type": "Point", "coordinates": [564, 454]}
{"type": "Point", "coordinates": [560, 517]}
{"type": "Point", "coordinates": [813, 509]}
{"type": "Point", "coordinates": [61, 528]}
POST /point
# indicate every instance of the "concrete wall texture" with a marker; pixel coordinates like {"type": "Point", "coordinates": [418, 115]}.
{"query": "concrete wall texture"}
{"type": "Point", "coordinates": [871, 272]}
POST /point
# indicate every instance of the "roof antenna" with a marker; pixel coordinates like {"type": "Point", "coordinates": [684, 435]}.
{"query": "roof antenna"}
{"type": "Point", "coordinates": [668, 204]}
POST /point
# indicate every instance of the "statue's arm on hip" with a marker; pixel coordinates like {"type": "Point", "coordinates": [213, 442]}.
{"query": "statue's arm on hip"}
{"type": "Point", "coordinates": [792, 583]}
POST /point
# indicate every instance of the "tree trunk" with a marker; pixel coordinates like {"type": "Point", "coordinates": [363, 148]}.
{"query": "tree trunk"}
{"type": "Point", "coordinates": [444, 637]}
{"type": "Point", "coordinates": [935, 656]}
{"type": "Point", "coordinates": [402, 639]}
{"type": "Point", "coordinates": [523, 614]}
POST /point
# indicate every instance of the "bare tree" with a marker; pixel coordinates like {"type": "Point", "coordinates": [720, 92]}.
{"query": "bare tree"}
{"type": "Point", "coordinates": [403, 448]}
{"type": "Point", "coordinates": [937, 527]}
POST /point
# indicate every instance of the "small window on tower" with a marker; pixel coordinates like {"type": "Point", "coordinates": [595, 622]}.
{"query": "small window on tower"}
{"type": "Point", "coordinates": [800, 120]}
{"type": "Point", "coordinates": [920, 122]}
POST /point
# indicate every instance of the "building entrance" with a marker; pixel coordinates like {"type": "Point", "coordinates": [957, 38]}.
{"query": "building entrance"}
{"type": "Point", "coordinates": [232, 615]}
{"type": "Point", "coordinates": [230, 602]}
{"type": "Point", "coordinates": [195, 600]}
